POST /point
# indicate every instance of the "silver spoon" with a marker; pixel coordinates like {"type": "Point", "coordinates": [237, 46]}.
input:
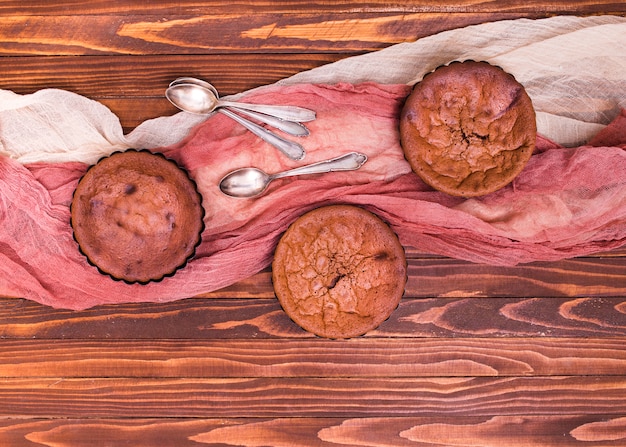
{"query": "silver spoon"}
{"type": "Point", "coordinates": [208, 100]}
{"type": "Point", "coordinates": [192, 97]}
{"type": "Point", "coordinates": [291, 127]}
{"type": "Point", "coordinates": [251, 182]}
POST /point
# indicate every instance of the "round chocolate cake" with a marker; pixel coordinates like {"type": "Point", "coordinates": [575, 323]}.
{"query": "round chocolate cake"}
{"type": "Point", "coordinates": [137, 216]}
{"type": "Point", "coordinates": [339, 271]}
{"type": "Point", "coordinates": [468, 128]}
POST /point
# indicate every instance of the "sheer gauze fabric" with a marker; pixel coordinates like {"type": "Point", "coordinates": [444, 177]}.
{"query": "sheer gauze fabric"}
{"type": "Point", "coordinates": [569, 201]}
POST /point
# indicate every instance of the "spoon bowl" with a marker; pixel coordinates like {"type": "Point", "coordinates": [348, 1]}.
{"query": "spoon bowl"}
{"type": "Point", "coordinates": [200, 82]}
{"type": "Point", "coordinates": [245, 182]}
{"type": "Point", "coordinates": [192, 98]}
{"type": "Point", "coordinates": [252, 182]}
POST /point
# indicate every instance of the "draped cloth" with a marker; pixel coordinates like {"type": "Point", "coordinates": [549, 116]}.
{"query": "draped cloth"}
{"type": "Point", "coordinates": [569, 201]}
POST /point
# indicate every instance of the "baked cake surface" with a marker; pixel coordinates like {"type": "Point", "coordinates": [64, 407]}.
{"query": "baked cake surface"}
{"type": "Point", "coordinates": [137, 216]}
{"type": "Point", "coordinates": [339, 271]}
{"type": "Point", "coordinates": [468, 128]}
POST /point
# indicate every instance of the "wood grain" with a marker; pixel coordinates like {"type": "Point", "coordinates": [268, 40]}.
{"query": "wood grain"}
{"type": "Point", "coordinates": [229, 318]}
{"type": "Point", "coordinates": [524, 356]}
{"type": "Point", "coordinates": [134, 78]}
{"type": "Point", "coordinates": [488, 431]}
{"type": "Point", "coordinates": [68, 35]}
{"type": "Point", "coordinates": [373, 358]}
{"type": "Point", "coordinates": [193, 7]}
{"type": "Point", "coordinates": [310, 397]}
{"type": "Point", "coordinates": [133, 7]}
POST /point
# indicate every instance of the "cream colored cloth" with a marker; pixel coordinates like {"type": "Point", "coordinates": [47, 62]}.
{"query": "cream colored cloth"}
{"type": "Point", "coordinates": [573, 68]}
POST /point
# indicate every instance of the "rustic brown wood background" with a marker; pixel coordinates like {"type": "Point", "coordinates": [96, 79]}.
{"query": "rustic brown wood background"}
{"type": "Point", "coordinates": [533, 355]}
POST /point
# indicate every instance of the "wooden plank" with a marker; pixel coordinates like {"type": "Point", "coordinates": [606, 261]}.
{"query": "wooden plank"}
{"type": "Point", "coordinates": [573, 277]}
{"type": "Point", "coordinates": [82, 34]}
{"type": "Point", "coordinates": [263, 318]}
{"type": "Point", "coordinates": [519, 430]}
{"type": "Point", "coordinates": [133, 79]}
{"type": "Point", "coordinates": [310, 397]}
{"type": "Point", "coordinates": [137, 7]}
{"type": "Point", "coordinates": [481, 357]}
{"type": "Point", "coordinates": [505, 317]}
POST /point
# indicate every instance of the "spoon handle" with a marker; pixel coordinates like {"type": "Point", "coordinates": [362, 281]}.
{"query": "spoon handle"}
{"type": "Point", "coordinates": [291, 127]}
{"type": "Point", "coordinates": [346, 162]}
{"type": "Point", "coordinates": [288, 113]}
{"type": "Point", "coordinates": [291, 149]}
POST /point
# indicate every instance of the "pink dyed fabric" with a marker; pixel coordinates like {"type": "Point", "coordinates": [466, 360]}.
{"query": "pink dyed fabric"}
{"type": "Point", "coordinates": [567, 202]}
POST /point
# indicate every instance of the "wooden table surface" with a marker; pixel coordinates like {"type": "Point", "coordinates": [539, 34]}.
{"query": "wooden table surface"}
{"type": "Point", "coordinates": [533, 355]}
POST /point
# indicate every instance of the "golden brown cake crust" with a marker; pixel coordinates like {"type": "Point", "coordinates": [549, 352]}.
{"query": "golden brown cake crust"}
{"type": "Point", "coordinates": [137, 216]}
{"type": "Point", "coordinates": [339, 271]}
{"type": "Point", "coordinates": [468, 128]}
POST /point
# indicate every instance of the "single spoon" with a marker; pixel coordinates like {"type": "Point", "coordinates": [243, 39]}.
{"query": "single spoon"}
{"type": "Point", "coordinates": [291, 127]}
{"type": "Point", "coordinates": [190, 97]}
{"type": "Point", "coordinates": [207, 99]}
{"type": "Point", "coordinates": [251, 182]}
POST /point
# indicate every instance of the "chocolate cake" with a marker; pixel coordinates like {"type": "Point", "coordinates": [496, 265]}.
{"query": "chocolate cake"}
{"type": "Point", "coordinates": [339, 271]}
{"type": "Point", "coordinates": [137, 216]}
{"type": "Point", "coordinates": [468, 128]}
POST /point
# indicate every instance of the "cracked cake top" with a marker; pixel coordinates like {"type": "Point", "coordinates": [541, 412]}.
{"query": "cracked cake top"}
{"type": "Point", "coordinates": [468, 128]}
{"type": "Point", "coordinates": [339, 271]}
